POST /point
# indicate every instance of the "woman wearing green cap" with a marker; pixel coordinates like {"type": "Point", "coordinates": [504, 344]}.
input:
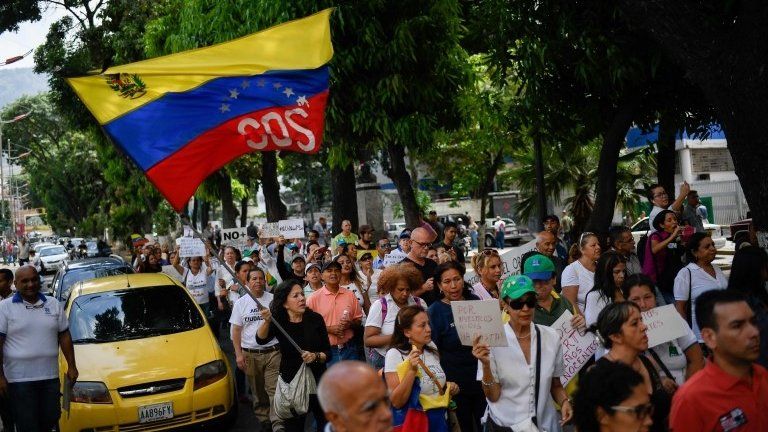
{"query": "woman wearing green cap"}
{"type": "Point", "coordinates": [521, 400]}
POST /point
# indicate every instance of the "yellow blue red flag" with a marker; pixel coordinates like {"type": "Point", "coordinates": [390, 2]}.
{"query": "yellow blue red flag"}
{"type": "Point", "coordinates": [183, 116]}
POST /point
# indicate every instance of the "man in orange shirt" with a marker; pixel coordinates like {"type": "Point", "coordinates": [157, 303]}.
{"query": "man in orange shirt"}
{"type": "Point", "coordinates": [731, 392]}
{"type": "Point", "coordinates": [340, 311]}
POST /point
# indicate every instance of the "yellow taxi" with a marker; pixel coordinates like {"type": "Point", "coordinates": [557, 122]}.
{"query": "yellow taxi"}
{"type": "Point", "coordinates": [147, 358]}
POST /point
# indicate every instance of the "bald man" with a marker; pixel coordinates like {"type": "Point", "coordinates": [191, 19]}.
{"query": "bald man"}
{"type": "Point", "coordinates": [354, 398]}
{"type": "Point", "coordinates": [546, 244]}
{"type": "Point", "coordinates": [421, 240]}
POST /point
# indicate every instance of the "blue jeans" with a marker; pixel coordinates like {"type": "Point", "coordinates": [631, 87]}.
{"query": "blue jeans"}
{"type": "Point", "coordinates": [500, 240]}
{"type": "Point", "coordinates": [35, 405]}
{"type": "Point", "coordinates": [348, 352]}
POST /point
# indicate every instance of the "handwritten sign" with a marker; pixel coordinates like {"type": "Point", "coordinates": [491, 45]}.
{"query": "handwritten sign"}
{"type": "Point", "coordinates": [191, 247]}
{"type": "Point", "coordinates": [664, 324]}
{"type": "Point", "coordinates": [234, 236]}
{"type": "Point", "coordinates": [393, 258]}
{"type": "Point", "coordinates": [578, 346]}
{"type": "Point", "coordinates": [479, 318]}
{"type": "Point", "coordinates": [291, 228]}
{"type": "Point", "coordinates": [269, 230]}
{"type": "Point", "coordinates": [510, 262]}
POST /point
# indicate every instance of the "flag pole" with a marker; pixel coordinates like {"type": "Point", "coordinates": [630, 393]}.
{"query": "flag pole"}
{"type": "Point", "coordinates": [214, 251]}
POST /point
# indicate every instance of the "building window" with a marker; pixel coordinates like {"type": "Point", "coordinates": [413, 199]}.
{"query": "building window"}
{"type": "Point", "coordinates": [711, 160]}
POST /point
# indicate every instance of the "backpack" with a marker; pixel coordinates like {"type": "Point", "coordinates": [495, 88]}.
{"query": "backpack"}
{"type": "Point", "coordinates": [419, 302]}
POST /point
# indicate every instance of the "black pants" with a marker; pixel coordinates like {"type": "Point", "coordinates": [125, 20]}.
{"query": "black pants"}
{"type": "Point", "coordinates": [5, 414]}
{"type": "Point", "coordinates": [470, 407]}
{"type": "Point", "coordinates": [296, 424]}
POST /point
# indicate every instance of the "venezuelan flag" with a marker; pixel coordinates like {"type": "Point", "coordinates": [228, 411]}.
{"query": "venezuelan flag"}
{"type": "Point", "coordinates": [183, 116]}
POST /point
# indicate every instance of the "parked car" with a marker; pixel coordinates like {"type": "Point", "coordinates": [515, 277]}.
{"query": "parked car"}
{"type": "Point", "coordinates": [457, 218]}
{"type": "Point", "coordinates": [643, 225]}
{"type": "Point", "coordinates": [512, 234]}
{"type": "Point", "coordinates": [393, 231]}
{"type": "Point", "coordinates": [72, 272]}
{"type": "Point", "coordinates": [51, 258]}
{"type": "Point", "coordinates": [40, 245]}
{"type": "Point", "coordinates": [147, 358]}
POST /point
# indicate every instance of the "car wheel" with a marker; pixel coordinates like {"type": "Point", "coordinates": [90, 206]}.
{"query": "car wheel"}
{"type": "Point", "coordinates": [490, 241]}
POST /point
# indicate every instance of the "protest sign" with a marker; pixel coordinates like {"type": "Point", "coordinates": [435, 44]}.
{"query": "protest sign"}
{"type": "Point", "coordinates": [578, 346]}
{"type": "Point", "coordinates": [510, 262]}
{"type": "Point", "coordinates": [269, 230]}
{"type": "Point", "coordinates": [291, 228]}
{"type": "Point", "coordinates": [190, 247]}
{"type": "Point", "coordinates": [479, 318]}
{"type": "Point", "coordinates": [234, 237]}
{"type": "Point", "coordinates": [393, 258]}
{"type": "Point", "coordinates": [664, 324]}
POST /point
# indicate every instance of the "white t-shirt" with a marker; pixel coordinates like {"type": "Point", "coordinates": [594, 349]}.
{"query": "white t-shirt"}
{"type": "Point", "coordinates": [388, 325]}
{"type": "Point", "coordinates": [576, 274]}
{"type": "Point", "coordinates": [595, 303]}
{"type": "Point", "coordinates": [701, 283]}
{"type": "Point", "coordinates": [672, 354]}
{"type": "Point", "coordinates": [197, 284]}
{"type": "Point", "coordinates": [31, 349]}
{"type": "Point", "coordinates": [245, 314]}
{"type": "Point", "coordinates": [499, 226]}
{"type": "Point", "coordinates": [373, 289]}
{"type": "Point", "coordinates": [223, 274]}
{"type": "Point", "coordinates": [428, 387]}
{"type": "Point", "coordinates": [173, 273]}
{"type": "Point", "coordinates": [479, 290]}
{"type": "Point", "coordinates": [518, 380]}
{"type": "Point", "coordinates": [359, 295]}
{"type": "Point", "coordinates": [655, 212]}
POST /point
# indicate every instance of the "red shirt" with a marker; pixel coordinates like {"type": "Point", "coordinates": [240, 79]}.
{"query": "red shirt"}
{"type": "Point", "coordinates": [713, 400]}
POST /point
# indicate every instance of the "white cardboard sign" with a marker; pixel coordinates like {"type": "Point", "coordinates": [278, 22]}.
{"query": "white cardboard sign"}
{"type": "Point", "coordinates": [393, 258]}
{"type": "Point", "coordinates": [269, 230]}
{"type": "Point", "coordinates": [510, 262]}
{"type": "Point", "coordinates": [578, 346]}
{"type": "Point", "coordinates": [234, 236]}
{"type": "Point", "coordinates": [190, 247]}
{"type": "Point", "coordinates": [291, 228]}
{"type": "Point", "coordinates": [479, 318]}
{"type": "Point", "coordinates": [664, 324]}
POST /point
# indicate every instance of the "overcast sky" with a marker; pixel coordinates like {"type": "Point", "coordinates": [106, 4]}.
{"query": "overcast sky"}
{"type": "Point", "coordinates": [29, 36]}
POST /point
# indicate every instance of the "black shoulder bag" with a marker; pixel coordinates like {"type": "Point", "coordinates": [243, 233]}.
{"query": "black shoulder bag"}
{"type": "Point", "coordinates": [538, 374]}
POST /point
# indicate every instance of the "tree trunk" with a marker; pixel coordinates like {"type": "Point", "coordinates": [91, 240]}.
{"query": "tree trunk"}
{"type": "Point", "coordinates": [398, 172]}
{"type": "Point", "coordinates": [276, 210]}
{"type": "Point", "coordinates": [613, 141]}
{"type": "Point", "coordinates": [244, 211]}
{"type": "Point", "coordinates": [728, 63]}
{"type": "Point", "coordinates": [666, 154]}
{"type": "Point", "coordinates": [195, 211]}
{"type": "Point", "coordinates": [343, 197]}
{"type": "Point", "coordinates": [228, 210]}
{"type": "Point", "coordinates": [205, 213]}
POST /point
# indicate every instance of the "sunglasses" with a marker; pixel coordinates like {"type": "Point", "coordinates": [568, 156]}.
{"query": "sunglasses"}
{"type": "Point", "coordinates": [640, 411]}
{"type": "Point", "coordinates": [585, 234]}
{"type": "Point", "coordinates": [518, 304]}
{"type": "Point", "coordinates": [490, 252]}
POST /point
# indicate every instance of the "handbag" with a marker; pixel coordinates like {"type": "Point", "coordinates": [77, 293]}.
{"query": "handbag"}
{"type": "Point", "coordinates": [292, 399]}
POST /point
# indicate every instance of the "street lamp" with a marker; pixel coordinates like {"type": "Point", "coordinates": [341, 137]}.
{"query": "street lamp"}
{"type": "Point", "coordinates": [2, 180]}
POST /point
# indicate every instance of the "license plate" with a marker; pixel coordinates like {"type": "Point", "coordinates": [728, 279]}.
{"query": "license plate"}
{"type": "Point", "coordinates": [150, 413]}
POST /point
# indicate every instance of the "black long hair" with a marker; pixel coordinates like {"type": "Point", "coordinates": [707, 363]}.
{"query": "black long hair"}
{"type": "Point", "coordinates": [605, 385]}
{"type": "Point", "coordinates": [610, 320]}
{"type": "Point", "coordinates": [405, 318]}
{"type": "Point", "coordinates": [747, 272]}
{"type": "Point", "coordinates": [453, 265]}
{"type": "Point", "coordinates": [281, 293]}
{"type": "Point", "coordinates": [693, 245]}
{"type": "Point", "coordinates": [604, 285]}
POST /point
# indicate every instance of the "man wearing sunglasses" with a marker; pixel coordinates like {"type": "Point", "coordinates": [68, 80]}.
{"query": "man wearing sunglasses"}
{"type": "Point", "coordinates": [382, 247]}
{"type": "Point", "coordinates": [421, 239]}
{"type": "Point", "coordinates": [731, 392]}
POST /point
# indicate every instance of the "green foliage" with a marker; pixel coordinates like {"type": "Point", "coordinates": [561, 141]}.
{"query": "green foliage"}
{"type": "Point", "coordinates": [423, 200]}
{"type": "Point", "coordinates": [13, 12]}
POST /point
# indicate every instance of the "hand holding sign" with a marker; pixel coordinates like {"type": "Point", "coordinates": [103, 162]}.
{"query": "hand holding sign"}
{"type": "Point", "coordinates": [475, 318]}
{"type": "Point", "coordinates": [578, 346]}
{"type": "Point", "coordinates": [664, 324]}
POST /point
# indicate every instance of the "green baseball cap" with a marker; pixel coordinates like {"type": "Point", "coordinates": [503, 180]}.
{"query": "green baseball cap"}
{"type": "Point", "coordinates": [539, 267]}
{"type": "Point", "coordinates": [516, 286]}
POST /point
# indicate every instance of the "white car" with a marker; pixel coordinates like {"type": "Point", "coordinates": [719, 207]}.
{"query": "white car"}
{"type": "Point", "coordinates": [715, 231]}
{"type": "Point", "coordinates": [40, 245]}
{"type": "Point", "coordinates": [51, 258]}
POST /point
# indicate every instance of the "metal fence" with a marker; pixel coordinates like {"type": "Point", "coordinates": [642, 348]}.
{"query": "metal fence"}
{"type": "Point", "coordinates": [728, 200]}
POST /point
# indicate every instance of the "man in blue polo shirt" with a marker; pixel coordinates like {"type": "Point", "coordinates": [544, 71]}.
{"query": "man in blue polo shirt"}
{"type": "Point", "coordinates": [32, 327]}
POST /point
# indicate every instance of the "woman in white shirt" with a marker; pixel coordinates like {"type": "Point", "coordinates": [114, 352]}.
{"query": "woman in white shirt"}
{"type": "Point", "coordinates": [412, 344]}
{"type": "Point", "coordinates": [487, 265]}
{"type": "Point", "coordinates": [609, 276]}
{"type": "Point", "coordinates": [195, 279]}
{"type": "Point", "coordinates": [681, 357]}
{"type": "Point", "coordinates": [522, 380]}
{"type": "Point", "coordinates": [369, 276]}
{"type": "Point", "coordinates": [397, 284]}
{"type": "Point", "coordinates": [697, 278]}
{"type": "Point", "coordinates": [579, 276]}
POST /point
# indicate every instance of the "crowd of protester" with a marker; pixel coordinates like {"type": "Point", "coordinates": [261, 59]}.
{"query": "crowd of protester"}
{"type": "Point", "coordinates": [342, 303]}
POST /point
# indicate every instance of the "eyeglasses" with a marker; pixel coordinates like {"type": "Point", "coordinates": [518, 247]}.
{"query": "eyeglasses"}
{"type": "Point", "coordinates": [660, 194]}
{"type": "Point", "coordinates": [640, 411]}
{"type": "Point", "coordinates": [518, 304]}
{"type": "Point", "coordinates": [422, 244]}
{"type": "Point", "coordinates": [384, 245]}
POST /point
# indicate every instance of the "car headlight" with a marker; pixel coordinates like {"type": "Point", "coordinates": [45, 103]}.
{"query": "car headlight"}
{"type": "Point", "coordinates": [92, 392]}
{"type": "Point", "coordinates": [209, 373]}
